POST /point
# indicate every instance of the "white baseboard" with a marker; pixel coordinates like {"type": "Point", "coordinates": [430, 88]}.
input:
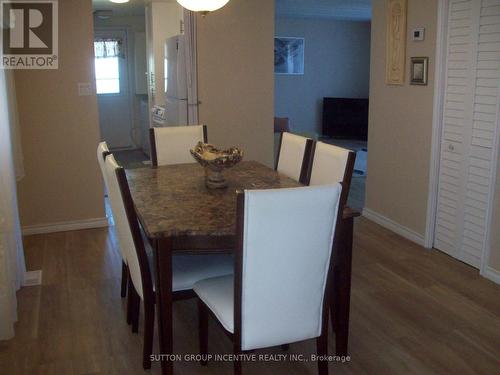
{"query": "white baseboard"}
{"type": "Point", "coordinates": [65, 226]}
{"type": "Point", "coordinates": [491, 274]}
{"type": "Point", "coordinates": [394, 227]}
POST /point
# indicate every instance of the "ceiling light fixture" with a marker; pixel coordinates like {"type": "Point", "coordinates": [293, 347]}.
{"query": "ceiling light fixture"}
{"type": "Point", "coordinates": [202, 6]}
{"type": "Point", "coordinates": [119, 1]}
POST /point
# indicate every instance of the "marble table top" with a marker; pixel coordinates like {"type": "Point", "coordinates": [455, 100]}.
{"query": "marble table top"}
{"type": "Point", "coordinates": [173, 200]}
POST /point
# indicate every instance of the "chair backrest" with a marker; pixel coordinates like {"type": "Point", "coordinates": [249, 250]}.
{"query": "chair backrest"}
{"type": "Point", "coordinates": [294, 155]}
{"type": "Point", "coordinates": [102, 151]}
{"type": "Point", "coordinates": [285, 239]}
{"type": "Point", "coordinates": [128, 229]}
{"type": "Point", "coordinates": [171, 145]}
{"type": "Point", "coordinates": [332, 164]}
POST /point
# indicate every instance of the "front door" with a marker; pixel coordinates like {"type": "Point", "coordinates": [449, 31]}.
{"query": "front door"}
{"type": "Point", "coordinates": [112, 85]}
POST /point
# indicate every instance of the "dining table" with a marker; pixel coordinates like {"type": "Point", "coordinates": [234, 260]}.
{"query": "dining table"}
{"type": "Point", "coordinates": [179, 214]}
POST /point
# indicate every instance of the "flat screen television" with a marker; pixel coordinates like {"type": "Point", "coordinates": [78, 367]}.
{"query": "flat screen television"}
{"type": "Point", "coordinates": [345, 118]}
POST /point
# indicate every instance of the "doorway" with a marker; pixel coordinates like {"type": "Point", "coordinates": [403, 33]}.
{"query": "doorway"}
{"type": "Point", "coordinates": [130, 47]}
{"type": "Point", "coordinates": [112, 87]}
{"type": "Point", "coordinates": [121, 83]}
{"type": "Point", "coordinates": [322, 75]}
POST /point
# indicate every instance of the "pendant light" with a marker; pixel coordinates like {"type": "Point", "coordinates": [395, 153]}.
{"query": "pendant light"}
{"type": "Point", "coordinates": [202, 6]}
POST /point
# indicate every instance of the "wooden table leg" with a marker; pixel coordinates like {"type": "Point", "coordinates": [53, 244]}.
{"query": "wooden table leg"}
{"type": "Point", "coordinates": [342, 287]}
{"type": "Point", "coordinates": [163, 265]}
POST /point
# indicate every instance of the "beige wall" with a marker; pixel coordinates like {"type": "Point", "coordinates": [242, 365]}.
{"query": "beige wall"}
{"type": "Point", "coordinates": [400, 127]}
{"type": "Point", "coordinates": [60, 129]}
{"type": "Point", "coordinates": [236, 82]}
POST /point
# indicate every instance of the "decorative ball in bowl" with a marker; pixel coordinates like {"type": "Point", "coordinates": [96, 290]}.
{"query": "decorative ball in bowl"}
{"type": "Point", "coordinates": [215, 161]}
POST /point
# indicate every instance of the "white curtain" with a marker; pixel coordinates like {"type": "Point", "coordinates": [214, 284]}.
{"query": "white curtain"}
{"type": "Point", "coordinates": [17, 152]}
{"type": "Point", "coordinates": [112, 47]}
{"type": "Point", "coordinates": [191, 65]}
{"type": "Point", "coordinates": [12, 266]}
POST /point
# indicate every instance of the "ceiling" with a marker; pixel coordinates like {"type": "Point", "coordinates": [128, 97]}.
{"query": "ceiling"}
{"type": "Point", "coordinates": [359, 10]}
{"type": "Point", "coordinates": [133, 7]}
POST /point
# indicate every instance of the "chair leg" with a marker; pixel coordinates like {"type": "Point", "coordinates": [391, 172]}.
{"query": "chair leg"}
{"type": "Point", "coordinates": [123, 291]}
{"type": "Point", "coordinates": [136, 307]}
{"type": "Point", "coordinates": [237, 363]}
{"type": "Point", "coordinates": [135, 321]}
{"type": "Point", "coordinates": [149, 326]}
{"type": "Point", "coordinates": [130, 300]}
{"type": "Point", "coordinates": [322, 351]}
{"type": "Point", "coordinates": [333, 317]}
{"type": "Point", "coordinates": [203, 330]}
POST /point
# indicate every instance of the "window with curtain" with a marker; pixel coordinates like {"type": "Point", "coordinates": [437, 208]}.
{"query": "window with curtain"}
{"type": "Point", "coordinates": [107, 65]}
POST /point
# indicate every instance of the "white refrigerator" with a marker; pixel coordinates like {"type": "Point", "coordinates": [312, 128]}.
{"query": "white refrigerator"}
{"type": "Point", "coordinates": [176, 82]}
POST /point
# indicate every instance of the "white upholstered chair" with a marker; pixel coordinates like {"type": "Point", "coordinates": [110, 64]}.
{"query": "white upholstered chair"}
{"type": "Point", "coordinates": [171, 145]}
{"type": "Point", "coordinates": [293, 156]}
{"type": "Point", "coordinates": [332, 164]}
{"type": "Point", "coordinates": [282, 260]}
{"type": "Point", "coordinates": [102, 152]}
{"type": "Point", "coordinates": [187, 269]}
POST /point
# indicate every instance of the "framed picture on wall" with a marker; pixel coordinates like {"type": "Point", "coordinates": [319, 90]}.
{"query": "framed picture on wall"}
{"type": "Point", "coordinates": [419, 70]}
{"type": "Point", "coordinates": [396, 42]}
{"type": "Point", "coordinates": [288, 55]}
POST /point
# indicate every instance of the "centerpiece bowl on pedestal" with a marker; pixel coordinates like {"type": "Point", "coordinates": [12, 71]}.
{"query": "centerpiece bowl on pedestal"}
{"type": "Point", "coordinates": [215, 161]}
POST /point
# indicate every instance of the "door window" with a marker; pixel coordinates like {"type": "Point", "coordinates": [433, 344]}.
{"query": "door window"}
{"type": "Point", "coordinates": [107, 65]}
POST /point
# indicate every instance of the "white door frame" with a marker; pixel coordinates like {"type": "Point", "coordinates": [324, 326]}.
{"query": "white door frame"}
{"type": "Point", "coordinates": [485, 270]}
{"type": "Point", "coordinates": [437, 120]}
{"type": "Point", "coordinates": [437, 132]}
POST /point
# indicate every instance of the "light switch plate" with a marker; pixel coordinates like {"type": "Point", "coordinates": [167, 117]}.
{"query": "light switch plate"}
{"type": "Point", "coordinates": [418, 34]}
{"type": "Point", "coordinates": [84, 89]}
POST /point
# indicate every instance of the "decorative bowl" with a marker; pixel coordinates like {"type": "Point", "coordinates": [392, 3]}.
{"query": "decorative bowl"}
{"type": "Point", "coordinates": [215, 161]}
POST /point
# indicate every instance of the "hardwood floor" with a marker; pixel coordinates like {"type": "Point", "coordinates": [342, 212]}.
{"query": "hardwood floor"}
{"type": "Point", "coordinates": [131, 159]}
{"type": "Point", "coordinates": [413, 312]}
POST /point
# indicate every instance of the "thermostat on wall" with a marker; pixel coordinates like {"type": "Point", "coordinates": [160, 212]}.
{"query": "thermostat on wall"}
{"type": "Point", "coordinates": [418, 34]}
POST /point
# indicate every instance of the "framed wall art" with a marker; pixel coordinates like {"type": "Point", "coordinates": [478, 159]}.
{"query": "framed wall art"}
{"type": "Point", "coordinates": [396, 42]}
{"type": "Point", "coordinates": [288, 55]}
{"type": "Point", "coordinates": [419, 70]}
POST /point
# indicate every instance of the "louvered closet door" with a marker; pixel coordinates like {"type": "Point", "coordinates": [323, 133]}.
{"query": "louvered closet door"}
{"type": "Point", "coordinates": [469, 121]}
